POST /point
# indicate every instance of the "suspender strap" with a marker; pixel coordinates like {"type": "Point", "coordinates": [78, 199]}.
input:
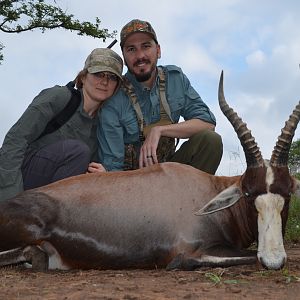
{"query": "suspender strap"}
{"type": "Point", "coordinates": [129, 89]}
{"type": "Point", "coordinates": [165, 112]}
{"type": "Point", "coordinates": [166, 146]}
{"type": "Point", "coordinates": [164, 105]}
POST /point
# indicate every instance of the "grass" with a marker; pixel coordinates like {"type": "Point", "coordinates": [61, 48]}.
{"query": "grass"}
{"type": "Point", "coordinates": [216, 278]}
{"type": "Point", "coordinates": [221, 276]}
{"type": "Point", "coordinates": [292, 233]}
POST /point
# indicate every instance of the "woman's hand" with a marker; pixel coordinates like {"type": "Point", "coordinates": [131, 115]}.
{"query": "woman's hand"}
{"type": "Point", "coordinates": [95, 168]}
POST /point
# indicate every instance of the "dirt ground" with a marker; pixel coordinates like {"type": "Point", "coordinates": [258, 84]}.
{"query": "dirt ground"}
{"type": "Point", "coordinates": [246, 282]}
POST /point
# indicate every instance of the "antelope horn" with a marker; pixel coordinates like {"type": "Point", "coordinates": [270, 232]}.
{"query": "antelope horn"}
{"type": "Point", "coordinates": [251, 150]}
{"type": "Point", "coordinates": [281, 150]}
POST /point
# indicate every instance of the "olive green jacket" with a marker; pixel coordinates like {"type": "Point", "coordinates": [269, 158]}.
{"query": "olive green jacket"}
{"type": "Point", "coordinates": [23, 136]}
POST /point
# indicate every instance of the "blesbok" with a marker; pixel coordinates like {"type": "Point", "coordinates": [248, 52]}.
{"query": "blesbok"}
{"type": "Point", "coordinates": [167, 215]}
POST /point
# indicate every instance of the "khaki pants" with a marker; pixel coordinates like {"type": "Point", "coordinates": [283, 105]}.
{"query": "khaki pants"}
{"type": "Point", "coordinates": [203, 151]}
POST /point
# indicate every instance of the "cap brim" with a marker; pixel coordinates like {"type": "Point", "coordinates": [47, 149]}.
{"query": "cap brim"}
{"type": "Point", "coordinates": [138, 31]}
{"type": "Point", "coordinates": [96, 69]}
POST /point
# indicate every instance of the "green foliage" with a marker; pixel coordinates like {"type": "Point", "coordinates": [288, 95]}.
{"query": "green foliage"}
{"type": "Point", "coordinates": [1, 55]}
{"type": "Point", "coordinates": [289, 277]}
{"type": "Point", "coordinates": [217, 278]}
{"type": "Point", "coordinates": [17, 16]}
{"type": "Point", "coordinates": [294, 157]}
{"type": "Point", "coordinates": [292, 233]}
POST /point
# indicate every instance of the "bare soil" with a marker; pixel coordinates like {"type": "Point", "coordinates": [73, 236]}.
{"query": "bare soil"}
{"type": "Point", "coordinates": [245, 282]}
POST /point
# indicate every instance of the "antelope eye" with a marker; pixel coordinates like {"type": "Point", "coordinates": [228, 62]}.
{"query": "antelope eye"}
{"type": "Point", "coordinates": [247, 194]}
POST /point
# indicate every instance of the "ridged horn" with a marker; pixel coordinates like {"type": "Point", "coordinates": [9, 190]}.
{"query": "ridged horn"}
{"type": "Point", "coordinates": [281, 150]}
{"type": "Point", "coordinates": [251, 150]}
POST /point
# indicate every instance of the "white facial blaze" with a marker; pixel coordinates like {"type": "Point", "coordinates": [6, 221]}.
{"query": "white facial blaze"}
{"type": "Point", "coordinates": [271, 251]}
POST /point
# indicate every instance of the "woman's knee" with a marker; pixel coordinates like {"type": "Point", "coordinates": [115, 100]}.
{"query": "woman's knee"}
{"type": "Point", "coordinates": [77, 147]}
{"type": "Point", "coordinates": [76, 159]}
{"type": "Point", "coordinates": [76, 150]}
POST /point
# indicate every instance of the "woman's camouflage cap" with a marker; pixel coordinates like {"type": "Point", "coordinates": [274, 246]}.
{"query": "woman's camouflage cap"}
{"type": "Point", "coordinates": [136, 26]}
{"type": "Point", "coordinates": [104, 60]}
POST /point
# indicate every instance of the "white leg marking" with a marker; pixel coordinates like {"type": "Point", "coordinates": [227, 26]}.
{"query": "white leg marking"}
{"type": "Point", "coordinates": [55, 261]}
{"type": "Point", "coordinates": [226, 261]}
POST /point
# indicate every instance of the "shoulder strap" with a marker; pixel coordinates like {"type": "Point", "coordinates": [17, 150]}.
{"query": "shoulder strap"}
{"type": "Point", "coordinates": [165, 109]}
{"type": "Point", "coordinates": [165, 112]}
{"type": "Point", "coordinates": [63, 116]}
{"type": "Point", "coordinates": [129, 89]}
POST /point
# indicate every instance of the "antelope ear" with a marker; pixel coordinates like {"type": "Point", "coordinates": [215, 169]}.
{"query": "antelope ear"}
{"type": "Point", "coordinates": [296, 187]}
{"type": "Point", "coordinates": [223, 200]}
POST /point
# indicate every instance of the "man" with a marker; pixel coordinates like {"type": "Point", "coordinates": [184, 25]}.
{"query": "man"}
{"type": "Point", "coordinates": [138, 126]}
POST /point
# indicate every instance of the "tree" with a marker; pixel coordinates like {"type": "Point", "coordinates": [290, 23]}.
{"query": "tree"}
{"type": "Point", "coordinates": [1, 55]}
{"type": "Point", "coordinates": [294, 157]}
{"type": "Point", "coordinates": [17, 16]}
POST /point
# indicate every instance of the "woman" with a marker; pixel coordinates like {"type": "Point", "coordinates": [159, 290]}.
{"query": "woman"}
{"type": "Point", "coordinates": [29, 158]}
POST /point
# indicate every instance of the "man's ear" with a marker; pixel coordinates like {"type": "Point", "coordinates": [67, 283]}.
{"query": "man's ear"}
{"type": "Point", "coordinates": [158, 51]}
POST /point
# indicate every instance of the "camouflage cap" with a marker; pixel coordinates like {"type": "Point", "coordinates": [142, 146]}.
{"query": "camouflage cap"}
{"type": "Point", "coordinates": [104, 60]}
{"type": "Point", "coordinates": [136, 26]}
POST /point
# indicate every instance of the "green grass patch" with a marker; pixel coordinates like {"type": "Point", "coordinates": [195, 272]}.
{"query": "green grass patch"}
{"type": "Point", "coordinates": [292, 232]}
{"type": "Point", "coordinates": [217, 278]}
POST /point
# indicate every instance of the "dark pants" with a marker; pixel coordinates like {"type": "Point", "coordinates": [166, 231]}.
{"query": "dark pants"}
{"type": "Point", "coordinates": [203, 151]}
{"type": "Point", "coordinates": [56, 161]}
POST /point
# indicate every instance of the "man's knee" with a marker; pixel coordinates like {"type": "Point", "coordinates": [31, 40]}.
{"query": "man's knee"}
{"type": "Point", "coordinates": [208, 151]}
{"type": "Point", "coordinates": [207, 139]}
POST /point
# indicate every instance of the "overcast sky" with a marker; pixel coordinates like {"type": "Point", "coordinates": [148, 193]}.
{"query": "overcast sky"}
{"type": "Point", "coordinates": [256, 43]}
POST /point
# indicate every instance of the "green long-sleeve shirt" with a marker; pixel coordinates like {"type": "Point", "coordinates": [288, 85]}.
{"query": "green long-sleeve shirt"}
{"type": "Point", "coordinates": [23, 136]}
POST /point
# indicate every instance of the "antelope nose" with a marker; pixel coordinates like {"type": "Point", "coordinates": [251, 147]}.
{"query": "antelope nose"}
{"type": "Point", "coordinates": [272, 265]}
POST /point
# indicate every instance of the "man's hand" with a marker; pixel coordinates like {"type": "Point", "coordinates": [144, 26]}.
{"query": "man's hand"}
{"type": "Point", "coordinates": [95, 168]}
{"type": "Point", "coordinates": [182, 130]}
{"type": "Point", "coordinates": [148, 155]}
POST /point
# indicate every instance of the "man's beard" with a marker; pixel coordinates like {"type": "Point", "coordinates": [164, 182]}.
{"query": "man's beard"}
{"type": "Point", "coordinates": [142, 77]}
